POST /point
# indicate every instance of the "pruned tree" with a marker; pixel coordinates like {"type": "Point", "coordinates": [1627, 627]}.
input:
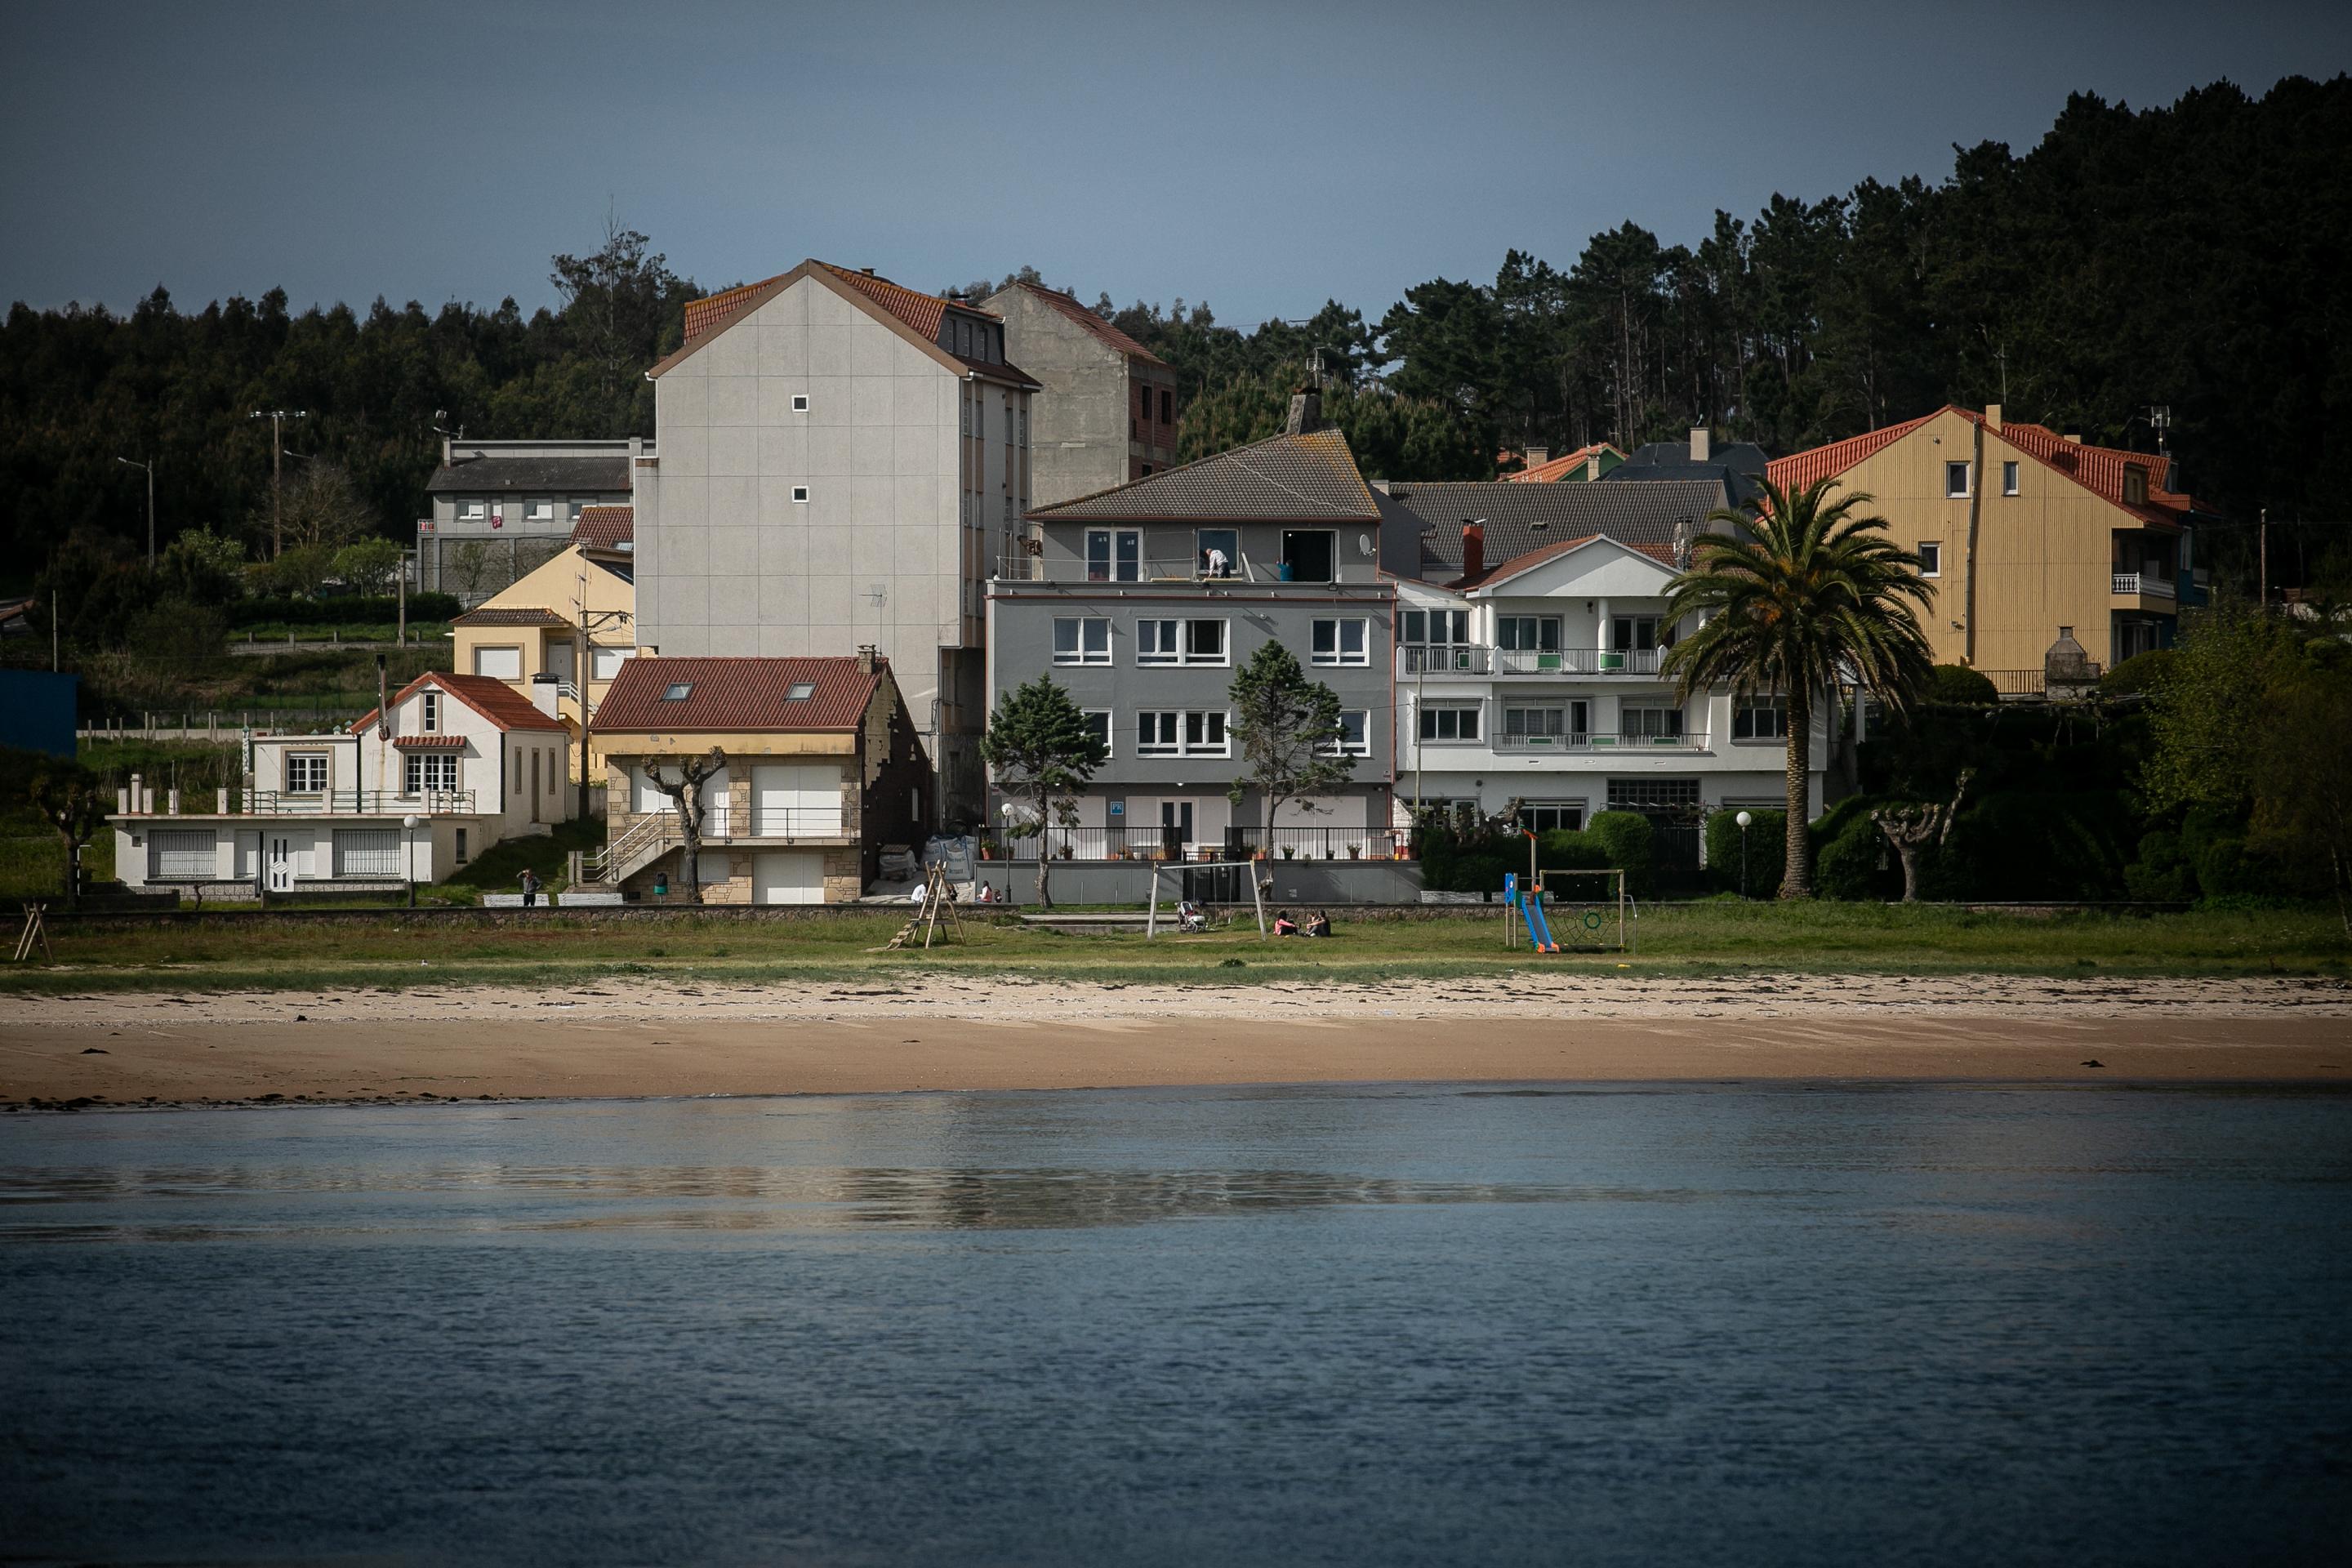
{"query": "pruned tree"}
{"type": "Point", "coordinates": [70, 801]}
{"type": "Point", "coordinates": [1911, 828]}
{"type": "Point", "coordinates": [686, 791]}
{"type": "Point", "coordinates": [1289, 731]}
{"type": "Point", "coordinates": [1042, 749]}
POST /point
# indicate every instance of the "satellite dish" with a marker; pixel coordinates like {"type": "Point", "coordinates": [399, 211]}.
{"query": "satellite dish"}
{"type": "Point", "coordinates": [1364, 546]}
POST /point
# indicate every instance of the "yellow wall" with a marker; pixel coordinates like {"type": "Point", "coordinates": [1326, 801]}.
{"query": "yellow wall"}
{"type": "Point", "coordinates": [557, 586]}
{"type": "Point", "coordinates": [2043, 556]}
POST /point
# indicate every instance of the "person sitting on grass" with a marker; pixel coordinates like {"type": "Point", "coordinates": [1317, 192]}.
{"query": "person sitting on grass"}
{"type": "Point", "coordinates": [1318, 924]}
{"type": "Point", "coordinates": [1284, 925]}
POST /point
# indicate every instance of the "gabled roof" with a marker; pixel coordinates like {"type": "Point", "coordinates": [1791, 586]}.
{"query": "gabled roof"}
{"type": "Point", "coordinates": [493, 698]}
{"type": "Point", "coordinates": [489, 616]}
{"type": "Point", "coordinates": [1496, 575]}
{"type": "Point", "coordinates": [606, 527]}
{"type": "Point", "coordinates": [2099, 470]}
{"type": "Point", "coordinates": [1520, 519]}
{"type": "Point", "coordinates": [1068, 305]}
{"type": "Point", "coordinates": [1557, 468]}
{"type": "Point", "coordinates": [738, 695]}
{"type": "Point", "coordinates": [1282, 479]}
{"type": "Point", "coordinates": [918, 316]}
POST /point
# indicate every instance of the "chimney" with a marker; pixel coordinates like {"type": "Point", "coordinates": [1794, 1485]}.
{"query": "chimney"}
{"type": "Point", "coordinates": [1992, 416]}
{"type": "Point", "coordinates": [1474, 548]}
{"type": "Point", "coordinates": [1305, 412]}
{"type": "Point", "coordinates": [1539, 456]}
{"type": "Point", "coordinates": [1592, 466]}
{"type": "Point", "coordinates": [2075, 437]}
{"type": "Point", "coordinates": [865, 659]}
{"type": "Point", "coordinates": [544, 690]}
{"type": "Point", "coordinates": [1700, 443]}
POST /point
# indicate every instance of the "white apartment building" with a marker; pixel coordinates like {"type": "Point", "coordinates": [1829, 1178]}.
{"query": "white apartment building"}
{"type": "Point", "coordinates": [840, 462]}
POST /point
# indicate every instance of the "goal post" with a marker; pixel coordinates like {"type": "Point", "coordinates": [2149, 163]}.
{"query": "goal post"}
{"type": "Point", "coordinates": [1589, 911]}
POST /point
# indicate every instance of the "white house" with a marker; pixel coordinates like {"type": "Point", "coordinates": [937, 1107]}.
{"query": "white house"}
{"type": "Point", "coordinates": [450, 766]}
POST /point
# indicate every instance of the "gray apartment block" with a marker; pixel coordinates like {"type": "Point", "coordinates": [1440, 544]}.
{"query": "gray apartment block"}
{"type": "Point", "coordinates": [841, 459]}
{"type": "Point", "coordinates": [1144, 602]}
{"type": "Point", "coordinates": [1107, 412]}
{"type": "Point", "coordinates": [500, 508]}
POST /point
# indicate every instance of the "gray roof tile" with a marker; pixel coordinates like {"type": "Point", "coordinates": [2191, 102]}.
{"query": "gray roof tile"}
{"type": "Point", "coordinates": [1283, 479]}
{"type": "Point", "coordinates": [1520, 518]}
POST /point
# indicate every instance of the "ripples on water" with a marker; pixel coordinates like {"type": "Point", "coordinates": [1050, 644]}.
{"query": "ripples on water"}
{"type": "Point", "coordinates": [1326, 1325]}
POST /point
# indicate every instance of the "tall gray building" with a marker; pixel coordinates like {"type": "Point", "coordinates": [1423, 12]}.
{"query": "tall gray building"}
{"type": "Point", "coordinates": [841, 459]}
{"type": "Point", "coordinates": [1107, 412]}
{"type": "Point", "coordinates": [1145, 600]}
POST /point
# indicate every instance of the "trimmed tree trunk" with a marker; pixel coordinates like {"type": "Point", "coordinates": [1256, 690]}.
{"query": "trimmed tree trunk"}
{"type": "Point", "coordinates": [1797, 866]}
{"type": "Point", "coordinates": [1910, 827]}
{"type": "Point", "coordinates": [687, 793]}
{"type": "Point", "coordinates": [1044, 853]}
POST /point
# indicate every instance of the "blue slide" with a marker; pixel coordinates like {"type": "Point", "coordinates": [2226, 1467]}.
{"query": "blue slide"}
{"type": "Point", "coordinates": [1531, 908]}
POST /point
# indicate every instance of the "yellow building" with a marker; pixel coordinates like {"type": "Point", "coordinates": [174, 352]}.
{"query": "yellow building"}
{"type": "Point", "coordinates": [2029, 536]}
{"type": "Point", "coordinates": [576, 612]}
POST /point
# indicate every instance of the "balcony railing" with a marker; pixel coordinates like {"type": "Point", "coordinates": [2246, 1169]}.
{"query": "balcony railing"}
{"type": "Point", "coordinates": [1603, 741]}
{"type": "Point", "coordinates": [1020, 567]}
{"type": "Point", "coordinates": [2144, 585]}
{"type": "Point", "coordinates": [361, 802]}
{"type": "Point", "coordinates": [777, 822]}
{"type": "Point", "coordinates": [1464, 659]}
{"type": "Point", "coordinates": [1156, 843]}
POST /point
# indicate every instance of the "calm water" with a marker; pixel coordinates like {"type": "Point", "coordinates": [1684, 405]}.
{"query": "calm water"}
{"type": "Point", "coordinates": [1321, 1325]}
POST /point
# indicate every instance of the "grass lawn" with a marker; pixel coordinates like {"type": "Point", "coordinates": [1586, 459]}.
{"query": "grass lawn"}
{"type": "Point", "coordinates": [236, 951]}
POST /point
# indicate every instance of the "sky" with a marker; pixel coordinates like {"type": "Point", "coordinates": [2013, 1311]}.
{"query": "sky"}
{"type": "Point", "coordinates": [1263, 157]}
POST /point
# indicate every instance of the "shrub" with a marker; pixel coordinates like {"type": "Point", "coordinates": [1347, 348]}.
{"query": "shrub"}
{"type": "Point", "coordinates": [1626, 843]}
{"type": "Point", "coordinates": [1957, 684]}
{"type": "Point", "coordinates": [2160, 873]}
{"type": "Point", "coordinates": [2032, 844]}
{"type": "Point", "coordinates": [1852, 860]}
{"type": "Point", "coordinates": [2141, 672]}
{"type": "Point", "coordinates": [352, 609]}
{"type": "Point", "coordinates": [1765, 850]}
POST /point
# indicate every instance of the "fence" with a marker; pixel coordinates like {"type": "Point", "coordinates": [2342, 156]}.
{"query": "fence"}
{"type": "Point", "coordinates": [1171, 843]}
{"type": "Point", "coordinates": [215, 726]}
{"type": "Point", "coordinates": [1471, 658]}
{"type": "Point", "coordinates": [2017, 683]}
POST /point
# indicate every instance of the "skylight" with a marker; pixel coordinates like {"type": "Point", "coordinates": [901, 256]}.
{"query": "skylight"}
{"type": "Point", "coordinates": [679, 692]}
{"type": "Point", "coordinates": [800, 691]}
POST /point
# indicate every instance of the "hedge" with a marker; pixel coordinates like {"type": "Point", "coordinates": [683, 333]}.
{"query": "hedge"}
{"type": "Point", "coordinates": [1767, 851]}
{"type": "Point", "coordinates": [1959, 685]}
{"type": "Point", "coordinates": [355, 610]}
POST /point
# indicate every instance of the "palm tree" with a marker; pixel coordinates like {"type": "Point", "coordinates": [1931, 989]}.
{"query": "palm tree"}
{"type": "Point", "coordinates": [1801, 590]}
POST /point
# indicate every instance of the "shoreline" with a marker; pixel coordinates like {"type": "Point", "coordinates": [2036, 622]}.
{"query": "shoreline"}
{"type": "Point", "coordinates": [941, 1033]}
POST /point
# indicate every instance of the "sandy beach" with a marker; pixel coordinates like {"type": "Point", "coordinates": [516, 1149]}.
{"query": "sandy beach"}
{"type": "Point", "coordinates": [1013, 1033]}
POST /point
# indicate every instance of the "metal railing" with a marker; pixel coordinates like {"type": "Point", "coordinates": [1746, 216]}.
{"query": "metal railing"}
{"type": "Point", "coordinates": [2145, 585]}
{"type": "Point", "coordinates": [1158, 843]}
{"type": "Point", "coordinates": [1464, 658]}
{"type": "Point", "coordinates": [1022, 567]}
{"type": "Point", "coordinates": [361, 802]}
{"type": "Point", "coordinates": [214, 725]}
{"type": "Point", "coordinates": [2033, 682]}
{"type": "Point", "coordinates": [1604, 741]}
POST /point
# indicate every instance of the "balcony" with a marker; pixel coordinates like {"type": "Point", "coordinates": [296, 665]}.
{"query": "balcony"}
{"type": "Point", "coordinates": [1601, 741]}
{"type": "Point", "coordinates": [1469, 659]}
{"type": "Point", "coordinates": [360, 803]}
{"type": "Point", "coordinates": [770, 825]}
{"type": "Point", "coordinates": [1149, 843]}
{"type": "Point", "coordinates": [2144, 585]}
{"type": "Point", "coordinates": [1023, 568]}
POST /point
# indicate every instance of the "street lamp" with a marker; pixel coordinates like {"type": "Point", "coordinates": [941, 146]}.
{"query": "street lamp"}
{"type": "Point", "coordinates": [1743, 819]}
{"type": "Point", "coordinates": [408, 858]}
{"type": "Point", "coordinates": [150, 466]}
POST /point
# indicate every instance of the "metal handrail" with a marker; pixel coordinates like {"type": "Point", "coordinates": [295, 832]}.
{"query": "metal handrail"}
{"type": "Point", "coordinates": [1474, 658]}
{"type": "Point", "coordinates": [359, 802]}
{"type": "Point", "coordinates": [1604, 739]}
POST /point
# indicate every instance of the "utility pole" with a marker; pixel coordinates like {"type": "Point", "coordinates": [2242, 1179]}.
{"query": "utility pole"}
{"type": "Point", "coordinates": [2262, 548]}
{"type": "Point", "coordinates": [150, 465]}
{"type": "Point", "coordinates": [277, 418]}
{"type": "Point", "coordinates": [581, 654]}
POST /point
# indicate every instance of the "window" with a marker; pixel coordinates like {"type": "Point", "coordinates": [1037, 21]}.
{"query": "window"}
{"type": "Point", "coordinates": [1931, 558]}
{"type": "Point", "coordinates": [2135, 485]}
{"type": "Point", "coordinates": [1760, 718]}
{"type": "Point", "coordinates": [430, 706]}
{"type": "Point", "coordinates": [1167, 406]}
{"type": "Point", "coordinates": [540, 510]}
{"type": "Point", "coordinates": [1534, 727]}
{"type": "Point", "coordinates": [2009, 479]}
{"type": "Point", "coordinates": [800, 691]}
{"type": "Point", "coordinates": [499, 663]}
{"type": "Point", "coordinates": [1114, 555]}
{"type": "Point", "coordinates": [1639, 725]}
{"type": "Point", "coordinates": [1633, 633]}
{"type": "Point", "coordinates": [462, 856]}
{"type": "Point", "coordinates": [604, 663]}
{"type": "Point", "coordinates": [423, 772]}
{"type": "Point", "coordinates": [967, 415]}
{"type": "Point", "coordinates": [182, 855]}
{"type": "Point", "coordinates": [306, 773]}
{"type": "Point", "coordinates": [1309, 556]}
{"type": "Point", "coordinates": [1528, 634]}
{"type": "Point", "coordinates": [1205, 734]}
{"type": "Point", "coordinates": [1155, 733]}
{"type": "Point", "coordinates": [1342, 642]}
{"type": "Point", "coordinates": [1081, 639]}
{"type": "Point", "coordinates": [1024, 426]}
{"type": "Point", "coordinates": [800, 402]}
{"type": "Point", "coordinates": [1445, 627]}
{"type": "Point", "coordinates": [575, 508]}
{"type": "Point", "coordinates": [1180, 642]}
{"type": "Point", "coordinates": [1552, 816]}
{"type": "Point", "coordinates": [1450, 723]}
{"type": "Point", "coordinates": [1956, 480]}
{"type": "Point", "coordinates": [800, 493]}
{"type": "Point", "coordinates": [1098, 726]}
{"type": "Point", "coordinates": [1355, 737]}
{"type": "Point", "coordinates": [1219, 549]}
{"type": "Point", "coordinates": [979, 420]}
{"type": "Point", "coordinates": [367, 852]}
{"type": "Point", "coordinates": [474, 510]}
{"type": "Point", "coordinates": [1662, 796]}
{"type": "Point", "coordinates": [1167, 734]}
{"type": "Point", "coordinates": [678, 691]}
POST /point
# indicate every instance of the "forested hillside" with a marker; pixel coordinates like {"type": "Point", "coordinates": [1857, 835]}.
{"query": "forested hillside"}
{"type": "Point", "coordinates": [2188, 256]}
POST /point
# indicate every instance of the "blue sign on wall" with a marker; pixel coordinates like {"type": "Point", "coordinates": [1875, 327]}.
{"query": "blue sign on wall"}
{"type": "Point", "coordinates": [37, 711]}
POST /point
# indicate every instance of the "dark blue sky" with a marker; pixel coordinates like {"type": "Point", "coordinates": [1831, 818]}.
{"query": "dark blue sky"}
{"type": "Point", "coordinates": [1260, 156]}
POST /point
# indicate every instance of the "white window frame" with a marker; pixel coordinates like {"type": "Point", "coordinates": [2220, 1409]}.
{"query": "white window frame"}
{"type": "Point", "coordinates": [1359, 745]}
{"type": "Point", "coordinates": [1110, 729]}
{"type": "Point", "coordinates": [1931, 558]}
{"type": "Point", "coordinates": [1338, 653]}
{"type": "Point", "coordinates": [1204, 721]}
{"type": "Point", "coordinates": [304, 763]}
{"type": "Point", "coordinates": [605, 660]}
{"type": "Point", "coordinates": [1743, 712]}
{"type": "Point", "coordinates": [379, 855]}
{"type": "Point", "coordinates": [1429, 717]}
{"type": "Point", "coordinates": [473, 511]}
{"type": "Point", "coordinates": [514, 648]}
{"type": "Point", "coordinates": [1555, 734]}
{"type": "Point", "coordinates": [1150, 649]}
{"type": "Point", "coordinates": [428, 773]}
{"type": "Point", "coordinates": [1541, 624]}
{"type": "Point", "coordinates": [1456, 622]}
{"type": "Point", "coordinates": [1675, 730]}
{"type": "Point", "coordinates": [1111, 560]}
{"type": "Point", "coordinates": [1165, 728]}
{"type": "Point", "coordinates": [1527, 809]}
{"type": "Point", "coordinates": [1956, 468]}
{"type": "Point", "coordinates": [429, 707]}
{"type": "Point", "coordinates": [2009, 479]}
{"type": "Point", "coordinates": [182, 855]}
{"type": "Point", "coordinates": [1083, 629]}
{"type": "Point", "coordinates": [541, 509]}
{"type": "Point", "coordinates": [800, 402]}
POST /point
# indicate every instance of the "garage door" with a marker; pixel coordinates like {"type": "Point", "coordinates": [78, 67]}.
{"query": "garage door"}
{"type": "Point", "coordinates": [788, 877]}
{"type": "Point", "coordinates": [795, 800]}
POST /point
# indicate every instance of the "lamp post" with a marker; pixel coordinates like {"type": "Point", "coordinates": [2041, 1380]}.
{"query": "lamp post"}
{"type": "Point", "coordinates": [150, 466]}
{"type": "Point", "coordinates": [408, 858]}
{"type": "Point", "coordinates": [1743, 819]}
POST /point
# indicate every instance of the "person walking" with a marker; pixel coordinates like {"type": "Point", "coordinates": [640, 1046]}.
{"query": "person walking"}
{"type": "Point", "coordinates": [530, 887]}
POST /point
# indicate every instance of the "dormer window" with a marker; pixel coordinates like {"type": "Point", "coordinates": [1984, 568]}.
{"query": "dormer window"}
{"type": "Point", "coordinates": [800, 691]}
{"type": "Point", "coordinates": [2135, 485]}
{"type": "Point", "coordinates": [429, 707]}
{"type": "Point", "coordinates": [678, 691]}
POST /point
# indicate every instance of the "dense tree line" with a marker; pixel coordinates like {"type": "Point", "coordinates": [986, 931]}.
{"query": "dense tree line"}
{"type": "Point", "coordinates": [2184, 256]}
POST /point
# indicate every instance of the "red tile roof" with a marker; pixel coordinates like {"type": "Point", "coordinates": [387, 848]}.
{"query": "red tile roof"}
{"type": "Point", "coordinates": [706, 316]}
{"type": "Point", "coordinates": [921, 311]}
{"type": "Point", "coordinates": [606, 527]}
{"type": "Point", "coordinates": [1798, 470]}
{"type": "Point", "coordinates": [1069, 306]}
{"type": "Point", "coordinates": [1558, 469]}
{"type": "Point", "coordinates": [486, 694]}
{"type": "Point", "coordinates": [429, 742]}
{"type": "Point", "coordinates": [487, 616]}
{"type": "Point", "coordinates": [736, 695]}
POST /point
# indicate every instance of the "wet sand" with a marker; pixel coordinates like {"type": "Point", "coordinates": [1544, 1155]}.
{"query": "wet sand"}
{"type": "Point", "coordinates": [1012, 1033]}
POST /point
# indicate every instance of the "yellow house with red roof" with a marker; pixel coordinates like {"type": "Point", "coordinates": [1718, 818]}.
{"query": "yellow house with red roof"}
{"type": "Point", "coordinates": [2028, 536]}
